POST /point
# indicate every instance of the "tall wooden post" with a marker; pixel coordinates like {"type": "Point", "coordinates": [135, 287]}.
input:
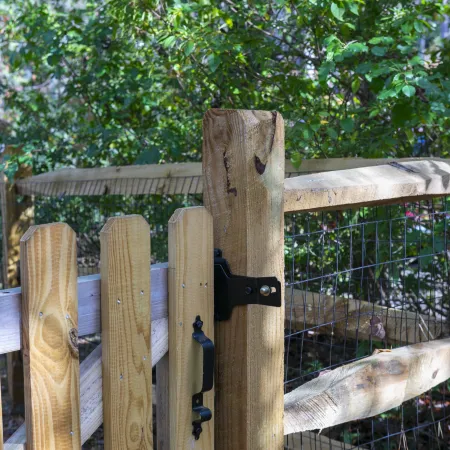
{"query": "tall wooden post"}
{"type": "Point", "coordinates": [243, 169]}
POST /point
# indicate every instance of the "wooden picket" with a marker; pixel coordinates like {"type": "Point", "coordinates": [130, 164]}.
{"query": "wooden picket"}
{"type": "Point", "coordinates": [191, 287]}
{"type": "Point", "coordinates": [50, 337]}
{"type": "Point", "coordinates": [127, 368]}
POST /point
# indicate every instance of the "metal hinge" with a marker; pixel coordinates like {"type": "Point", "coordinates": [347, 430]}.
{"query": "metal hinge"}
{"type": "Point", "coordinates": [233, 290]}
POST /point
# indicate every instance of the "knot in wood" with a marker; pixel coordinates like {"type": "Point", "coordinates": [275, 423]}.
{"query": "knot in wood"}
{"type": "Point", "coordinates": [73, 342]}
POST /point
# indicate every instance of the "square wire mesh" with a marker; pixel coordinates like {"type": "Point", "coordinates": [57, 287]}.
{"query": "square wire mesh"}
{"type": "Point", "coordinates": [341, 267]}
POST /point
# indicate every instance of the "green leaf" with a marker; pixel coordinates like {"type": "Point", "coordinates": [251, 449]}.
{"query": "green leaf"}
{"type": "Point", "coordinates": [381, 40]}
{"type": "Point", "coordinates": [347, 124]}
{"type": "Point", "coordinates": [355, 85]}
{"type": "Point", "coordinates": [353, 7]}
{"type": "Point", "coordinates": [325, 69]}
{"type": "Point", "coordinates": [337, 12]}
{"type": "Point", "coordinates": [53, 59]}
{"type": "Point", "coordinates": [386, 93]}
{"type": "Point", "coordinates": [410, 136]}
{"type": "Point", "coordinates": [213, 62]}
{"type": "Point", "coordinates": [419, 26]}
{"type": "Point", "coordinates": [357, 47]}
{"type": "Point", "coordinates": [150, 156]}
{"type": "Point", "coordinates": [169, 42]}
{"type": "Point", "coordinates": [190, 46]}
{"type": "Point", "coordinates": [409, 90]}
{"type": "Point", "coordinates": [379, 51]}
{"type": "Point", "coordinates": [332, 133]}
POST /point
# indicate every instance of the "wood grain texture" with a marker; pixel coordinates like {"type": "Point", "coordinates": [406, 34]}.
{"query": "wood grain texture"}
{"type": "Point", "coordinates": [333, 164]}
{"type": "Point", "coordinates": [367, 387]}
{"type": "Point", "coordinates": [191, 291]}
{"type": "Point", "coordinates": [179, 178]}
{"type": "Point", "coordinates": [367, 186]}
{"type": "Point", "coordinates": [243, 168]}
{"type": "Point", "coordinates": [125, 312]}
{"type": "Point", "coordinates": [357, 318]}
{"type": "Point", "coordinates": [50, 337]}
{"type": "Point", "coordinates": [91, 387]}
{"type": "Point", "coordinates": [88, 307]}
{"type": "Point", "coordinates": [162, 404]}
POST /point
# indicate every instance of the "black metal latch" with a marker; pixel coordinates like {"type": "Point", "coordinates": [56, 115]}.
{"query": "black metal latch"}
{"type": "Point", "coordinates": [207, 380]}
{"type": "Point", "coordinates": [233, 290]}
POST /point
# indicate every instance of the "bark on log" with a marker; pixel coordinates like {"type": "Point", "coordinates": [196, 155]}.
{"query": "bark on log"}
{"type": "Point", "coordinates": [357, 318]}
{"type": "Point", "coordinates": [367, 387]}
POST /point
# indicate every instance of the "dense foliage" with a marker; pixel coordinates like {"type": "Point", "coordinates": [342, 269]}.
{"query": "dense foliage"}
{"type": "Point", "coordinates": [119, 82]}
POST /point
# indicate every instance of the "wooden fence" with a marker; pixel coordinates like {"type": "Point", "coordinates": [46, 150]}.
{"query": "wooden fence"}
{"type": "Point", "coordinates": [246, 197]}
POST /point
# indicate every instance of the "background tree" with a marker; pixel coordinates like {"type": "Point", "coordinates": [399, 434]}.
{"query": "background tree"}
{"type": "Point", "coordinates": [119, 82]}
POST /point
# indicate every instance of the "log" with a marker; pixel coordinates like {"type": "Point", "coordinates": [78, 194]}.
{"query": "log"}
{"type": "Point", "coordinates": [357, 318]}
{"type": "Point", "coordinates": [180, 178]}
{"type": "Point", "coordinates": [391, 183]}
{"type": "Point", "coordinates": [367, 387]}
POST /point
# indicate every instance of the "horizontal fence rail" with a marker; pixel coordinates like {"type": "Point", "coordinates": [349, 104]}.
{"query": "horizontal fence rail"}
{"type": "Point", "coordinates": [368, 387]}
{"type": "Point", "coordinates": [179, 178]}
{"type": "Point", "coordinates": [386, 184]}
{"type": "Point", "coordinates": [88, 307]}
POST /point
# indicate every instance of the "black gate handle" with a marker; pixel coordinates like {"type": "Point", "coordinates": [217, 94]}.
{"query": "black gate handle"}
{"type": "Point", "coordinates": [207, 380]}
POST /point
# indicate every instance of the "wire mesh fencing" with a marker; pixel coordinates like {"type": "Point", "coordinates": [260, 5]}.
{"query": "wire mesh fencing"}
{"type": "Point", "coordinates": [361, 280]}
{"type": "Point", "coordinates": [87, 215]}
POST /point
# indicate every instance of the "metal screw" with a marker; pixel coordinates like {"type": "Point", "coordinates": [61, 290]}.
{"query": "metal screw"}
{"type": "Point", "coordinates": [248, 290]}
{"type": "Point", "coordinates": [118, 302]}
{"type": "Point", "coordinates": [121, 376]}
{"type": "Point", "coordinates": [71, 433]}
{"type": "Point", "coordinates": [183, 285]}
{"type": "Point", "coordinates": [41, 314]}
{"type": "Point", "coordinates": [145, 358]}
{"type": "Point", "coordinates": [67, 316]}
{"type": "Point", "coordinates": [265, 290]}
{"type": "Point", "coordinates": [142, 292]}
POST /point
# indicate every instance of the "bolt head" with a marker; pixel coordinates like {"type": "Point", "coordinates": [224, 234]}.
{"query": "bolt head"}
{"type": "Point", "coordinates": [265, 290]}
{"type": "Point", "coordinates": [248, 290]}
{"type": "Point", "coordinates": [198, 323]}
